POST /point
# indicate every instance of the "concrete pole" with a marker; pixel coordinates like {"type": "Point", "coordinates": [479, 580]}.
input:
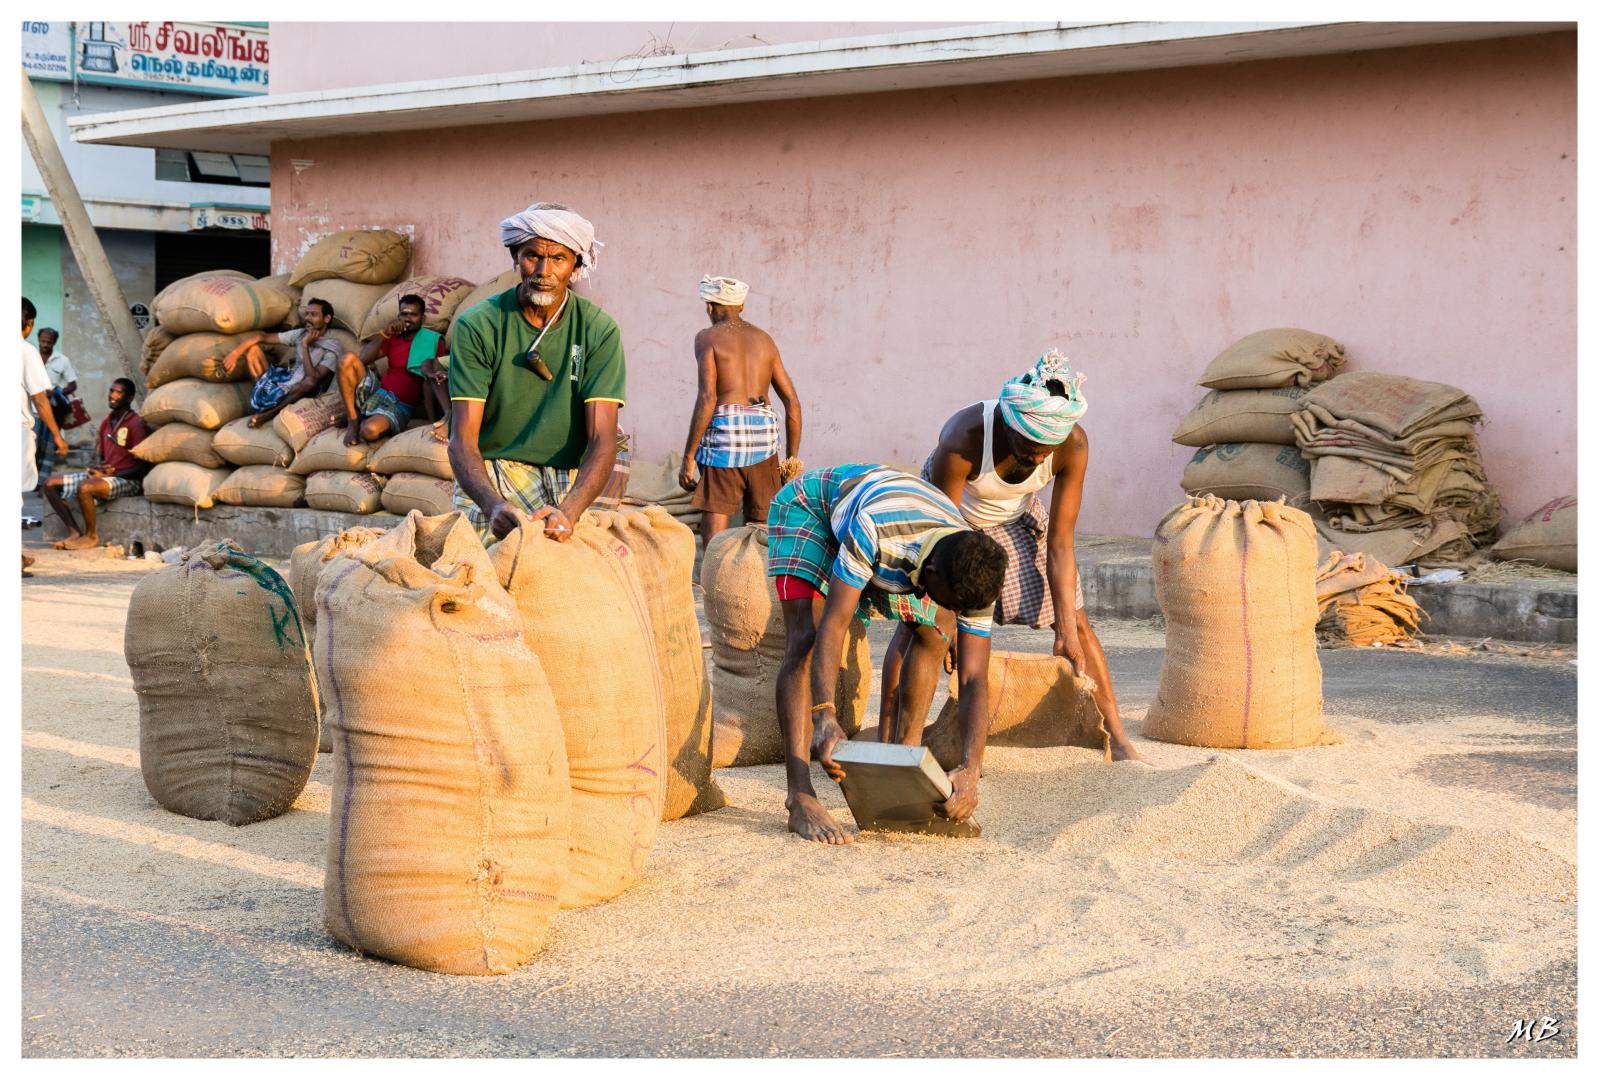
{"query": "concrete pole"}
{"type": "Point", "coordinates": [86, 246]}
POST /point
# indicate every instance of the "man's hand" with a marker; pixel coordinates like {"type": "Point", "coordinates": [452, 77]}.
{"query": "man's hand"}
{"type": "Point", "coordinates": [685, 476]}
{"type": "Point", "coordinates": [963, 800]}
{"type": "Point", "coordinates": [395, 328]}
{"type": "Point", "coordinates": [826, 736]}
{"type": "Point", "coordinates": [61, 445]}
{"type": "Point", "coordinates": [1067, 645]}
{"type": "Point", "coordinates": [556, 525]}
{"type": "Point", "coordinates": [97, 471]}
{"type": "Point", "coordinates": [504, 519]}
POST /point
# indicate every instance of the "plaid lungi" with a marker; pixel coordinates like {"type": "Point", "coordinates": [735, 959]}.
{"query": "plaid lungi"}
{"type": "Point", "coordinates": [739, 436]}
{"type": "Point", "coordinates": [120, 485]}
{"type": "Point", "coordinates": [800, 543]}
{"type": "Point", "coordinates": [533, 487]}
{"type": "Point", "coordinates": [271, 386]}
{"type": "Point", "coordinates": [373, 400]}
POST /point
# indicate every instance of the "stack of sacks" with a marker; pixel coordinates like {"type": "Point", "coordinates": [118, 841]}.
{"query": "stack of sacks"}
{"type": "Point", "coordinates": [1394, 467]}
{"type": "Point", "coordinates": [1363, 602]}
{"type": "Point", "coordinates": [188, 471]}
{"type": "Point", "coordinates": [415, 465]}
{"type": "Point", "coordinates": [1243, 428]}
{"type": "Point", "coordinates": [508, 280]}
{"type": "Point", "coordinates": [352, 271]}
{"type": "Point", "coordinates": [335, 476]}
{"type": "Point", "coordinates": [1546, 537]}
{"type": "Point", "coordinates": [655, 484]}
{"type": "Point", "coordinates": [441, 296]}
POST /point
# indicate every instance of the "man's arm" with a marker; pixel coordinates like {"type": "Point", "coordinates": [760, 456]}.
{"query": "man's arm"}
{"type": "Point", "coordinates": [41, 402]}
{"type": "Point", "coordinates": [704, 408]}
{"type": "Point", "coordinates": [466, 462]}
{"type": "Point", "coordinates": [827, 657]}
{"type": "Point", "coordinates": [951, 465]}
{"type": "Point", "coordinates": [599, 458]}
{"type": "Point", "coordinates": [1064, 505]}
{"type": "Point", "coordinates": [255, 337]}
{"type": "Point", "coordinates": [972, 710]}
{"type": "Point", "coordinates": [784, 387]}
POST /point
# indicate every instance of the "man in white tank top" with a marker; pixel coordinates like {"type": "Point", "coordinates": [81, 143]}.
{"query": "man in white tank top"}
{"type": "Point", "coordinates": [992, 460]}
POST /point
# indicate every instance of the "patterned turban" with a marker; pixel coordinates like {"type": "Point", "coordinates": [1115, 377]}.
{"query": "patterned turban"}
{"type": "Point", "coordinates": [1031, 407]}
{"type": "Point", "coordinates": [552, 221]}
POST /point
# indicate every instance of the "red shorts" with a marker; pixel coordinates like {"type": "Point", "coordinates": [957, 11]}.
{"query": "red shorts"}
{"type": "Point", "coordinates": [790, 587]}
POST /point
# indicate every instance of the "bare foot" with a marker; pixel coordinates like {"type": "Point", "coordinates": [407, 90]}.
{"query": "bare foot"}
{"type": "Point", "coordinates": [79, 543]}
{"type": "Point", "coordinates": [353, 435]}
{"type": "Point", "coordinates": [27, 561]}
{"type": "Point", "coordinates": [258, 419]}
{"type": "Point", "coordinates": [61, 545]}
{"type": "Point", "coordinates": [1121, 749]}
{"type": "Point", "coordinates": [810, 821]}
{"type": "Point", "coordinates": [340, 420]}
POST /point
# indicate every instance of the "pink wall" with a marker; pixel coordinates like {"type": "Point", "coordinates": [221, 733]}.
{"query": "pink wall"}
{"type": "Point", "coordinates": [316, 56]}
{"type": "Point", "coordinates": [910, 251]}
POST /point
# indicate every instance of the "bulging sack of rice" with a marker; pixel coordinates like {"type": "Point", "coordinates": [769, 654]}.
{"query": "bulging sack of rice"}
{"type": "Point", "coordinates": [1546, 537]}
{"type": "Point", "coordinates": [305, 568]}
{"type": "Point", "coordinates": [351, 301]}
{"type": "Point", "coordinates": [184, 282]}
{"type": "Point", "coordinates": [1242, 416]}
{"type": "Point", "coordinates": [1242, 471]}
{"type": "Point", "coordinates": [414, 491]}
{"type": "Point", "coordinates": [223, 305]}
{"type": "Point", "coordinates": [583, 612]}
{"type": "Point", "coordinates": [451, 802]}
{"type": "Point", "coordinates": [326, 450]}
{"type": "Point", "coordinates": [196, 402]}
{"type": "Point", "coordinates": [440, 297]}
{"type": "Point", "coordinates": [238, 443]}
{"type": "Point", "coordinates": [261, 485]}
{"type": "Point", "coordinates": [1236, 583]}
{"type": "Point", "coordinates": [423, 450]}
{"type": "Point", "coordinates": [156, 341]}
{"type": "Point", "coordinates": [1272, 358]}
{"type": "Point", "coordinates": [227, 701]}
{"type": "Point", "coordinates": [299, 423]}
{"type": "Point", "coordinates": [344, 492]}
{"type": "Point", "coordinates": [367, 256]}
{"type": "Point", "coordinates": [747, 641]}
{"type": "Point", "coordinates": [281, 283]}
{"type": "Point", "coordinates": [1033, 700]}
{"type": "Point", "coordinates": [200, 356]}
{"type": "Point", "coordinates": [508, 280]}
{"type": "Point", "coordinates": [663, 551]}
{"type": "Point", "coordinates": [180, 442]}
{"type": "Point", "coordinates": [184, 483]}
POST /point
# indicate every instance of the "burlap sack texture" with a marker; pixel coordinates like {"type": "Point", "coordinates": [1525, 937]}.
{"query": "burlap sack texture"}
{"type": "Point", "coordinates": [180, 442]}
{"type": "Point", "coordinates": [510, 279]}
{"type": "Point", "coordinates": [281, 282]}
{"type": "Point", "coordinates": [451, 809]}
{"type": "Point", "coordinates": [422, 449]}
{"type": "Point", "coordinates": [747, 643]}
{"type": "Point", "coordinates": [607, 688]}
{"type": "Point", "coordinates": [415, 491]}
{"type": "Point", "coordinates": [440, 298]}
{"type": "Point", "coordinates": [1033, 700]}
{"type": "Point", "coordinates": [305, 569]}
{"type": "Point", "coordinates": [261, 485]}
{"type": "Point", "coordinates": [184, 282]}
{"type": "Point", "coordinates": [1242, 416]}
{"type": "Point", "coordinates": [238, 443]}
{"type": "Point", "coordinates": [299, 423]}
{"type": "Point", "coordinates": [227, 701]}
{"type": "Point", "coordinates": [654, 483]}
{"type": "Point", "coordinates": [1241, 471]}
{"type": "Point", "coordinates": [1268, 359]}
{"type": "Point", "coordinates": [197, 402]}
{"type": "Point", "coordinates": [184, 483]}
{"type": "Point", "coordinates": [1363, 603]}
{"type": "Point", "coordinates": [344, 492]}
{"type": "Point", "coordinates": [664, 553]}
{"type": "Point", "coordinates": [1546, 537]}
{"type": "Point", "coordinates": [200, 356]}
{"type": "Point", "coordinates": [156, 341]}
{"type": "Point", "coordinates": [326, 451]}
{"type": "Point", "coordinates": [363, 256]}
{"type": "Point", "coordinates": [1236, 584]}
{"type": "Point", "coordinates": [223, 305]}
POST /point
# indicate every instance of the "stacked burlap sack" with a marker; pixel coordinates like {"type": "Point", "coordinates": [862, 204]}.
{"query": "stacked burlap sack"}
{"type": "Point", "coordinates": [1362, 602]}
{"type": "Point", "coordinates": [654, 483]}
{"type": "Point", "coordinates": [1395, 471]}
{"type": "Point", "coordinates": [1243, 428]}
{"type": "Point", "coordinates": [1546, 537]}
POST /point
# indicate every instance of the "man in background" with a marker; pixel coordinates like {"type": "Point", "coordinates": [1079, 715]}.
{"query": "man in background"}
{"type": "Point", "coordinates": [35, 401]}
{"type": "Point", "coordinates": [116, 472]}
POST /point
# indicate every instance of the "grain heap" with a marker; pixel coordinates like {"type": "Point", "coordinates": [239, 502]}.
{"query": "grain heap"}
{"type": "Point", "coordinates": [1362, 602]}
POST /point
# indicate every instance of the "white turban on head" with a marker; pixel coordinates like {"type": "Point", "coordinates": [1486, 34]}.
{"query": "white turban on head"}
{"type": "Point", "coordinates": [1030, 407]}
{"type": "Point", "coordinates": [729, 292]}
{"type": "Point", "coordinates": [552, 221]}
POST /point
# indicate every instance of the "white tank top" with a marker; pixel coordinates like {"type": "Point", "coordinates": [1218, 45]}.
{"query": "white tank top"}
{"type": "Point", "coordinates": [988, 500]}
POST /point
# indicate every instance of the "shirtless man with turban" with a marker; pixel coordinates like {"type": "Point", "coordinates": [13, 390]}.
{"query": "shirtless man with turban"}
{"type": "Point", "coordinates": [536, 381]}
{"type": "Point", "coordinates": [992, 459]}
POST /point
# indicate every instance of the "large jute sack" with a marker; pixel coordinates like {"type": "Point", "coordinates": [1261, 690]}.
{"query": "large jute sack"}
{"type": "Point", "coordinates": [305, 569]}
{"type": "Point", "coordinates": [1033, 700]}
{"type": "Point", "coordinates": [239, 443]}
{"type": "Point", "coordinates": [200, 356]}
{"type": "Point", "coordinates": [351, 301]}
{"type": "Point", "coordinates": [1241, 471]}
{"type": "Point", "coordinates": [194, 401]}
{"type": "Point", "coordinates": [1242, 416]}
{"type": "Point", "coordinates": [1271, 358]}
{"type": "Point", "coordinates": [366, 256]}
{"type": "Point", "coordinates": [185, 282]}
{"type": "Point", "coordinates": [326, 450]}
{"type": "Point", "coordinates": [440, 298]}
{"type": "Point", "coordinates": [451, 807]}
{"type": "Point", "coordinates": [223, 305]}
{"type": "Point", "coordinates": [663, 550]}
{"type": "Point", "coordinates": [344, 492]}
{"type": "Point", "coordinates": [1236, 583]}
{"type": "Point", "coordinates": [747, 642]}
{"type": "Point", "coordinates": [419, 450]}
{"type": "Point", "coordinates": [184, 484]}
{"type": "Point", "coordinates": [180, 442]}
{"type": "Point", "coordinates": [584, 614]}
{"type": "Point", "coordinates": [261, 485]}
{"type": "Point", "coordinates": [227, 701]}
{"type": "Point", "coordinates": [1546, 537]}
{"type": "Point", "coordinates": [415, 491]}
{"type": "Point", "coordinates": [508, 280]}
{"type": "Point", "coordinates": [281, 282]}
{"type": "Point", "coordinates": [156, 340]}
{"type": "Point", "coordinates": [299, 423]}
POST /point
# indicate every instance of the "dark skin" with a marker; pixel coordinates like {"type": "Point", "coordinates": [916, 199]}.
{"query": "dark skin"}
{"type": "Point", "coordinates": [958, 458]}
{"type": "Point", "coordinates": [98, 486]}
{"type": "Point", "coordinates": [814, 652]}
{"type": "Point", "coordinates": [47, 348]}
{"type": "Point", "coordinates": [317, 323]}
{"type": "Point", "coordinates": [353, 368]}
{"type": "Point", "coordinates": [738, 365]}
{"type": "Point", "coordinates": [546, 269]}
{"type": "Point", "coordinates": [41, 404]}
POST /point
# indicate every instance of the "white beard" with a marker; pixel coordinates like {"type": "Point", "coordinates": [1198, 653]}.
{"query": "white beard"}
{"type": "Point", "coordinates": [541, 299]}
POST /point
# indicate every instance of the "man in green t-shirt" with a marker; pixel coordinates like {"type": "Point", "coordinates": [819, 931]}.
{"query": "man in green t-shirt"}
{"type": "Point", "coordinates": [536, 381]}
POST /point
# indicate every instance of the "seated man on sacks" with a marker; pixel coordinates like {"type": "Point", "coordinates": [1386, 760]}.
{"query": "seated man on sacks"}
{"type": "Point", "coordinates": [378, 405]}
{"type": "Point", "coordinates": [992, 459]}
{"type": "Point", "coordinates": [851, 541]}
{"type": "Point", "coordinates": [304, 373]}
{"type": "Point", "coordinates": [117, 473]}
{"type": "Point", "coordinates": [732, 435]}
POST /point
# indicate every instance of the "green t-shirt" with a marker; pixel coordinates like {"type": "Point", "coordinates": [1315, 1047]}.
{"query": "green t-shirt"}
{"type": "Point", "coordinates": [525, 418]}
